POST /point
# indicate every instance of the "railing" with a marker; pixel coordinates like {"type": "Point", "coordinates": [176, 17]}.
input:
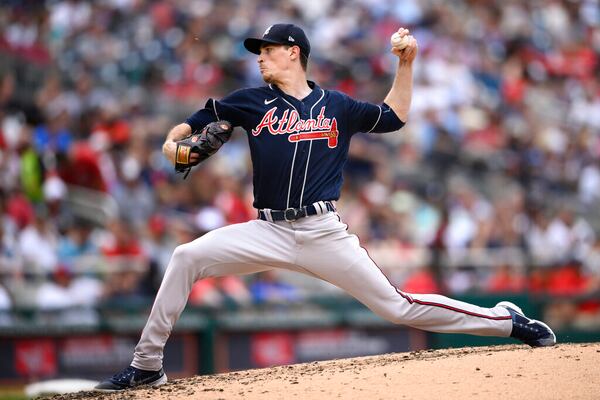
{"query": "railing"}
{"type": "Point", "coordinates": [92, 205]}
{"type": "Point", "coordinates": [414, 258]}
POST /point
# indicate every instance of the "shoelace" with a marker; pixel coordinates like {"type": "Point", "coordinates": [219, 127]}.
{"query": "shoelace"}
{"type": "Point", "coordinates": [125, 375]}
{"type": "Point", "coordinates": [531, 331]}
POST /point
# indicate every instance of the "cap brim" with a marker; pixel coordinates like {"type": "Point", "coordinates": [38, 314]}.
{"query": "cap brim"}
{"type": "Point", "coordinates": [253, 44]}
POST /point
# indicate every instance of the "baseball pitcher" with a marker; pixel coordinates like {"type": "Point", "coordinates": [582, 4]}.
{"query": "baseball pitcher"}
{"type": "Point", "coordinates": [299, 134]}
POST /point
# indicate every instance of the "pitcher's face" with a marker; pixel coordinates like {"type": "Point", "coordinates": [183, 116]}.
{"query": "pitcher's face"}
{"type": "Point", "coordinates": [274, 60]}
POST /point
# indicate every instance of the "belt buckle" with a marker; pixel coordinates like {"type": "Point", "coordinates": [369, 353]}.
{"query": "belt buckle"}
{"type": "Point", "coordinates": [293, 212]}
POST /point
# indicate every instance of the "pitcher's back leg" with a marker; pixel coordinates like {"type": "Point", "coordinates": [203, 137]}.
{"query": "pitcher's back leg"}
{"type": "Point", "coordinates": [341, 261]}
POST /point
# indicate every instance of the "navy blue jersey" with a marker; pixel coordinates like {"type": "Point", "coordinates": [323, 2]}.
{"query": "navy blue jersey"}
{"type": "Point", "coordinates": [298, 147]}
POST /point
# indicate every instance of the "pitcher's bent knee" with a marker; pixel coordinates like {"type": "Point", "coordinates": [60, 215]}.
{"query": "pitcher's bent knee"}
{"type": "Point", "coordinates": [188, 256]}
{"type": "Point", "coordinates": [181, 254]}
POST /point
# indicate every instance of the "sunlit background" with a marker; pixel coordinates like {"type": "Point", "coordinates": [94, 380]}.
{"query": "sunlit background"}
{"type": "Point", "coordinates": [489, 192]}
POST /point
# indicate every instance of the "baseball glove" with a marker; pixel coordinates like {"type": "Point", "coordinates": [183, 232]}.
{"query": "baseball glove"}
{"type": "Point", "coordinates": [205, 144]}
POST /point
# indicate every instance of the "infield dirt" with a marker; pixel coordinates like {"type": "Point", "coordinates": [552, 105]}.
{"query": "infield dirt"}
{"type": "Point", "coordinates": [565, 371]}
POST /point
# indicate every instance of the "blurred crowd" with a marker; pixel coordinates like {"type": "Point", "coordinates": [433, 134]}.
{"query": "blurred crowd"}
{"type": "Point", "coordinates": [492, 185]}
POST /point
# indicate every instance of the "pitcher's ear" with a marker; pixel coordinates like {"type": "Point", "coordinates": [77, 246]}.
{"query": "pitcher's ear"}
{"type": "Point", "coordinates": [295, 52]}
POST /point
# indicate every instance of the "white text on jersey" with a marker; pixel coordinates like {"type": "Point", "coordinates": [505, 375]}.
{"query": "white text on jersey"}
{"type": "Point", "coordinates": [300, 129]}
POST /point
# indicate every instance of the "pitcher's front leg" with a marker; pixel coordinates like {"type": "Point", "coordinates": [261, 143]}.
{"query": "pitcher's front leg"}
{"type": "Point", "coordinates": [214, 254]}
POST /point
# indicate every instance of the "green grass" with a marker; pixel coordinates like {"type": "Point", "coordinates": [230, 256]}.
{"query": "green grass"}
{"type": "Point", "coordinates": [10, 395]}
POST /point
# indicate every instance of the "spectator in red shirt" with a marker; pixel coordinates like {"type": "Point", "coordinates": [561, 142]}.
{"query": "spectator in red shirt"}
{"type": "Point", "coordinates": [80, 167]}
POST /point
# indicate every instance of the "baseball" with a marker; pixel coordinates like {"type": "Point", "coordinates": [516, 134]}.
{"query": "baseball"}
{"type": "Point", "coordinates": [399, 42]}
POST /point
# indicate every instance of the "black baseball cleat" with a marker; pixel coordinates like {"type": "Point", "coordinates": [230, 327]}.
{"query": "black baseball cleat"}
{"type": "Point", "coordinates": [132, 377]}
{"type": "Point", "coordinates": [529, 331]}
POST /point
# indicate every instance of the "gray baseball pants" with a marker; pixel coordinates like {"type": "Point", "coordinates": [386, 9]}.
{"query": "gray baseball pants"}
{"type": "Point", "coordinates": [319, 246]}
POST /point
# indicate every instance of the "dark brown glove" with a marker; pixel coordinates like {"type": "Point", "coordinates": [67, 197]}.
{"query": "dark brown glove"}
{"type": "Point", "coordinates": [205, 143]}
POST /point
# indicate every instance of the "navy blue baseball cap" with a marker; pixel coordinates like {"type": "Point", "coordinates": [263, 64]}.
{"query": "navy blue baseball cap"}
{"type": "Point", "coordinates": [287, 34]}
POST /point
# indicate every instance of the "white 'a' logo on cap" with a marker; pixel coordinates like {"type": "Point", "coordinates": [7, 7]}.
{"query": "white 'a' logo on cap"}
{"type": "Point", "coordinates": [291, 39]}
{"type": "Point", "coordinates": [267, 31]}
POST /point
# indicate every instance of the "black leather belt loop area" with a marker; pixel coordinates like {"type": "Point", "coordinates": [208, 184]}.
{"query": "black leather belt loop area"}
{"type": "Point", "coordinates": [294, 214]}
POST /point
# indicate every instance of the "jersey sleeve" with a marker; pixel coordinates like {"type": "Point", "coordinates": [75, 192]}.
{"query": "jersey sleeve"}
{"type": "Point", "coordinates": [229, 108]}
{"type": "Point", "coordinates": [368, 117]}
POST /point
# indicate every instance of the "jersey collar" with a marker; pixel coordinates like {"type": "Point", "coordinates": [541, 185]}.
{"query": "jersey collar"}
{"type": "Point", "coordinates": [310, 99]}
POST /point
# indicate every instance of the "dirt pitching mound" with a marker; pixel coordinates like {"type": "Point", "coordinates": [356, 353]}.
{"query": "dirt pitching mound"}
{"type": "Point", "coordinates": [565, 371]}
